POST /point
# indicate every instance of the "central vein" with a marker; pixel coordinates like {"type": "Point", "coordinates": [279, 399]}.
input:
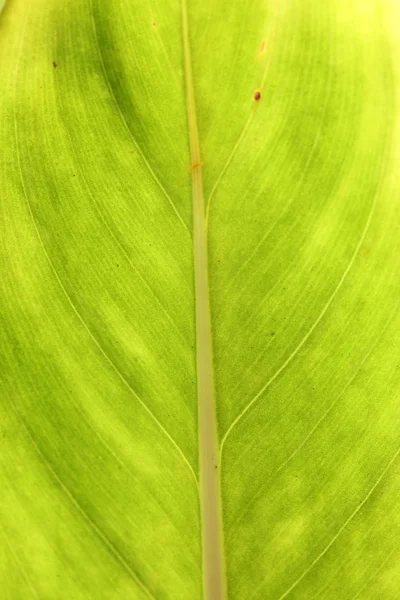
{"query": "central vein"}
{"type": "Point", "coordinates": [210, 493]}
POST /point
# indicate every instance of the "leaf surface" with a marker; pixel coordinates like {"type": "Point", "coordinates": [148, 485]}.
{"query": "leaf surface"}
{"type": "Point", "coordinates": [119, 122]}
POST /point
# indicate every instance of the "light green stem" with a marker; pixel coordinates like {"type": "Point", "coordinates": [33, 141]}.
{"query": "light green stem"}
{"type": "Point", "coordinates": [210, 492]}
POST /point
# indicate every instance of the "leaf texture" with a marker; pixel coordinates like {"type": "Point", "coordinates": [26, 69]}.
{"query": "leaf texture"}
{"type": "Point", "coordinates": [99, 427]}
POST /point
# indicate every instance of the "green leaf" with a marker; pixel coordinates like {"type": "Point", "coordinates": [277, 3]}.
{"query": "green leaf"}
{"type": "Point", "coordinates": [199, 310]}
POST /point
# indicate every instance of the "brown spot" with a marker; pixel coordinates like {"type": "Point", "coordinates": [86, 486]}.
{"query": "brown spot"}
{"type": "Point", "coordinates": [262, 47]}
{"type": "Point", "coordinates": [196, 165]}
{"type": "Point", "coordinates": [154, 24]}
{"type": "Point", "coordinates": [54, 64]}
{"type": "Point", "coordinates": [257, 95]}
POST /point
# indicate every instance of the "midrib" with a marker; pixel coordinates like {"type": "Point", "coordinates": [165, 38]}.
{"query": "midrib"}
{"type": "Point", "coordinates": [210, 494]}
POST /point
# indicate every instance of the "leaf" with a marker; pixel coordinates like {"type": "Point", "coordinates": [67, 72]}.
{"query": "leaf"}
{"type": "Point", "coordinates": [278, 122]}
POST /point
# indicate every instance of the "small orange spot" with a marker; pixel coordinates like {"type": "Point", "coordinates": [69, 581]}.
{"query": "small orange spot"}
{"type": "Point", "coordinates": [262, 47]}
{"type": "Point", "coordinates": [154, 24]}
{"type": "Point", "coordinates": [196, 165]}
{"type": "Point", "coordinates": [257, 95]}
{"type": "Point", "coordinates": [54, 64]}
